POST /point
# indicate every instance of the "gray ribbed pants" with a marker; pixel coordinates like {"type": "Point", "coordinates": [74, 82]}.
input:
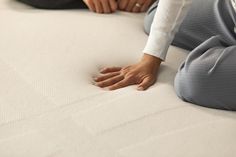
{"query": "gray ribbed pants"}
{"type": "Point", "coordinates": [207, 77]}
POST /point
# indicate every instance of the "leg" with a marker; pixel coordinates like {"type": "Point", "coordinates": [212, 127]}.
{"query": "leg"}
{"type": "Point", "coordinates": [149, 17]}
{"type": "Point", "coordinates": [55, 4]}
{"type": "Point", "coordinates": [208, 75]}
{"type": "Point", "coordinates": [205, 19]}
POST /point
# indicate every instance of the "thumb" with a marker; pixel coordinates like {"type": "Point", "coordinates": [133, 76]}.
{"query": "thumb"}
{"type": "Point", "coordinates": [147, 82]}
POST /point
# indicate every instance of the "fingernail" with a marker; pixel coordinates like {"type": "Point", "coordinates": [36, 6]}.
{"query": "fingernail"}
{"type": "Point", "coordinates": [140, 88]}
{"type": "Point", "coordinates": [102, 69]}
{"type": "Point", "coordinates": [110, 88]}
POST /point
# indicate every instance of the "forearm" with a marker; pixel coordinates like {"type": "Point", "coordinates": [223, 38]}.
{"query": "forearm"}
{"type": "Point", "coordinates": [168, 17]}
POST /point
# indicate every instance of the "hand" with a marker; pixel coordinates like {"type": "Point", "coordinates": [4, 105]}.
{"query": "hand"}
{"type": "Point", "coordinates": [130, 5]}
{"type": "Point", "coordinates": [143, 73]}
{"type": "Point", "coordinates": [101, 6]}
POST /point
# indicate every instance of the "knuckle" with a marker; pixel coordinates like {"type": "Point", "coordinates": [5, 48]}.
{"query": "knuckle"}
{"type": "Point", "coordinates": [131, 73]}
{"type": "Point", "coordinates": [125, 70]}
{"type": "Point", "coordinates": [152, 78]}
{"type": "Point", "coordinates": [129, 76]}
{"type": "Point", "coordinates": [119, 84]}
{"type": "Point", "coordinates": [117, 73]}
{"type": "Point", "coordinates": [151, 81]}
{"type": "Point", "coordinates": [139, 80]}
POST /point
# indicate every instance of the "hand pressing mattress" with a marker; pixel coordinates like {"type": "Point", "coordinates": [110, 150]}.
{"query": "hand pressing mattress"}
{"type": "Point", "coordinates": [49, 106]}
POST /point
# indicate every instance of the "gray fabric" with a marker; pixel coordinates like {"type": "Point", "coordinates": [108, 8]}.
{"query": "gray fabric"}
{"type": "Point", "coordinates": [55, 4]}
{"type": "Point", "coordinates": [208, 75]}
{"type": "Point", "coordinates": [149, 17]}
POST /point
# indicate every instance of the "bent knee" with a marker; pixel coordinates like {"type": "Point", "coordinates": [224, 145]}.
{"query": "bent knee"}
{"type": "Point", "coordinates": [208, 78]}
{"type": "Point", "coordinates": [193, 87]}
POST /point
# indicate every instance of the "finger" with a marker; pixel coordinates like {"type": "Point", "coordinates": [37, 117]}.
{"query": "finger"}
{"type": "Point", "coordinates": [145, 6]}
{"type": "Point", "coordinates": [147, 82]}
{"type": "Point", "coordinates": [105, 6]}
{"type": "Point", "coordinates": [130, 5]}
{"type": "Point", "coordinates": [135, 8]}
{"type": "Point", "coordinates": [110, 81]}
{"type": "Point", "coordinates": [113, 5]}
{"type": "Point", "coordinates": [98, 6]}
{"type": "Point", "coordinates": [90, 5]}
{"type": "Point", "coordinates": [122, 4]}
{"type": "Point", "coordinates": [110, 69]}
{"type": "Point", "coordinates": [107, 76]}
{"type": "Point", "coordinates": [121, 84]}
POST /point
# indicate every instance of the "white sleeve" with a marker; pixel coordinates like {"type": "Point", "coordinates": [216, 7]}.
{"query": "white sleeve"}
{"type": "Point", "coordinates": [168, 17]}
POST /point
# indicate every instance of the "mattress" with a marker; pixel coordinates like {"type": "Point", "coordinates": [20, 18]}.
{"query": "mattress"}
{"type": "Point", "coordinates": [49, 106]}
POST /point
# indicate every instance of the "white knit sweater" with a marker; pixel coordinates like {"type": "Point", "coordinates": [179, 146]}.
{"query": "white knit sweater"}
{"type": "Point", "coordinates": [166, 22]}
{"type": "Point", "coordinates": [168, 17]}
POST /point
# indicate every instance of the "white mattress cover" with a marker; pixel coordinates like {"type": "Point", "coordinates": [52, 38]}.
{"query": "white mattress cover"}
{"type": "Point", "coordinates": [49, 107]}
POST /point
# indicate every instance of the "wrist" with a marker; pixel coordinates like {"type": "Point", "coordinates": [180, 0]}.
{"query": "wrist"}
{"type": "Point", "coordinates": [151, 59]}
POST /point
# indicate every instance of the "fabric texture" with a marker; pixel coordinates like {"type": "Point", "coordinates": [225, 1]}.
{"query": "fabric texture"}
{"type": "Point", "coordinates": [167, 19]}
{"type": "Point", "coordinates": [50, 108]}
{"type": "Point", "coordinates": [206, 77]}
